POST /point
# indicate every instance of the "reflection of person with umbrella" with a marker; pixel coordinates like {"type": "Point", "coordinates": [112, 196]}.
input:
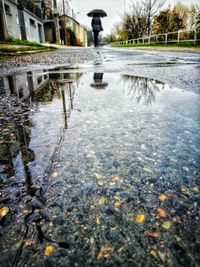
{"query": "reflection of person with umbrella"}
{"type": "Point", "coordinates": [96, 23]}
{"type": "Point", "coordinates": [98, 81]}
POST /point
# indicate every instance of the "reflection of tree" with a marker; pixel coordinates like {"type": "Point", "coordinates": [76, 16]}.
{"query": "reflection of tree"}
{"type": "Point", "coordinates": [141, 89]}
{"type": "Point", "coordinates": [98, 81]}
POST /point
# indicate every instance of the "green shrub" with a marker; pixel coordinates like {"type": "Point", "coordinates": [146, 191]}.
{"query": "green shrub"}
{"type": "Point", "coordinates": [12, 40]}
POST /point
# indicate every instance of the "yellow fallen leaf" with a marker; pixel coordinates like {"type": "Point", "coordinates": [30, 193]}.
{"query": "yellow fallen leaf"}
{"type": "Point", "coordinates": [104, 252]}
{"type": "Point", "coordinates": [154, 253]}
{"type": "Point", "coordinates": [162, 197]}
{"type": "Point", "coordinates": [3, 212]}
{"type": "Point", "coordinates": [118, 201]}
{"type": "Point", "coordinates": [140, 218]}
{"type": "Point", "coordinates": [166, 225]}
{"type": "Point", "coordinates": [100, 183]}
{"type": "Point", "coordinates": [102, 201]}
{"type": "Point", "coordinates": [98, 220]}
{"type": "Point", "coordinates": [48, 250]}
{"type": "Point", "coordinates": [99, 176]}
{"type": "Point", "coordinates": [55, 174]}
{"type": "Point", "coordinates": [115, 178]}
{"type": "Point", "coordinates": [112, 183]}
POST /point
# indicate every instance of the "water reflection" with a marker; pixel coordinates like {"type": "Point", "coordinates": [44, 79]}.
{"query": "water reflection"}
{"type": "Point", "coordinates": [115, 150]}
{"type": "Point", "coordinates": [98, 81]}
{"type": "Point", "coordinates": [27, 92]}
{"type": "Point", "coordinates": [141, 89]}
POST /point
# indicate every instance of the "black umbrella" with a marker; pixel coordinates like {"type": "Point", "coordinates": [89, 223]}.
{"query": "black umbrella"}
{"type": "Point", "coordinates": [100, 12]}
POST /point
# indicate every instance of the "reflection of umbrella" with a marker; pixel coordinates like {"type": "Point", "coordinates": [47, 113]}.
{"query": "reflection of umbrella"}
{"type": "Point", "coordinates": [99, 12]}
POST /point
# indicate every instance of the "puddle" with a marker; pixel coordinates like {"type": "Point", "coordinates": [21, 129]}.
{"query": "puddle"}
{"type": "Point", "coordinates": [82, 154]}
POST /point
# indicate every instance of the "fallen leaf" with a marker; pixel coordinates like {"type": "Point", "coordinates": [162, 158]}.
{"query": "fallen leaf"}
{"type": "Point", "coordinates": [166, 225]}
{"type": "Point", "coordinates": [186, 169]}
{"type": "Point", "coordinates": [185, 191]}
{"type": "Point", "coordinates": [104, 252]}
{"type": "Point", "coordinates": [154, 253]}
{"type": "Point", "coordinates": [177, 220]}
{"type": "Point", "coordinates": [161, 256]}
{"type": "Point", "coordinates": [115, 178]}
{"type": "Point", "coordinates": [171, 196]}
{"type": "Point", "coordinates": [178, 239]}
{"type": "Point", "coordinates": [102, 201]}
{"type": "Point", "coordinates": [100, 183]}
{"type": "Point", "coordinates": [119, 202]}
{"type": "Point", "coordinates": [140, 218]}
{"type": "Point", "coordinates": [147, 170]}
{"type": "Point", "coordinates": [152, 234]}
{"type": "Point", "coordinates": [99, 176]}
{"type": "Point", "coordinates": [29, 242]}
{"type": "Point", "coordinates": [97, 220]}
{"type": "Point", "coordinates": [161, 213]}
{"type": "Point", "coordinates": [162, 197]}
{"type": "Point", "coordinates": [195, 189]}
{"type": "Point", "coordinates": [55, 174]}
{"type": "Point", "coordinates": [3, 212]}
{"type": "Point", "coordinates": [48, 250]}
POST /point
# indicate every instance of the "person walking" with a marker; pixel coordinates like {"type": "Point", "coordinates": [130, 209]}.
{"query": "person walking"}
{"type": "Point", "coordinates": [96, 14]}
{"type": "Point", "coordinates": [96, 27]}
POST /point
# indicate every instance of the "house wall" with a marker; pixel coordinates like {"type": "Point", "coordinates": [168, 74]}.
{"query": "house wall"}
{"type": "Point", "coordinates": [81, 34]}
{"type": "Point", "coordinates": [12, 21]}
{"type": "Point", "coordinates": [33, 25]}
{"type": "Point", "coordinates": [80, 31]}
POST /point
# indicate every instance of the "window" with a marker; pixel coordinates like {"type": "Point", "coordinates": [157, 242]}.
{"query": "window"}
{"type": "Point", "coordinates": [7, 9]}
{"type": "Point", "coordinates": [32, 23]}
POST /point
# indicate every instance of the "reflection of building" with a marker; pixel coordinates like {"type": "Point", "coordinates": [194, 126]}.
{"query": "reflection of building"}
{"type": "Point", "coordinates": [23, 20]}
{"type": "Point", "coordinates": [30, 90]}
{"type": "Point", "coordinates": [15, 134]}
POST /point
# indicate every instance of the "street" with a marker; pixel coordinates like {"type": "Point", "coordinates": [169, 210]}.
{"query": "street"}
{"type": "Point", "coordinates": [99, 158]}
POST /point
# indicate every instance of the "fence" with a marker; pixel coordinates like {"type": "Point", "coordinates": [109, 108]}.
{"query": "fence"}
{"type": "Point", "coordinates": [165, 38]}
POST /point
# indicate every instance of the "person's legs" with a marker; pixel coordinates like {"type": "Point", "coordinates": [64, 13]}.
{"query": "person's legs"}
{"type": "Point", "coordinates": [96, 38]}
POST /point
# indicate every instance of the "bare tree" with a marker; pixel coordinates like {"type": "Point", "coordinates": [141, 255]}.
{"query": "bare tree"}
{"type": "Point", "coordinates": [151, 7]}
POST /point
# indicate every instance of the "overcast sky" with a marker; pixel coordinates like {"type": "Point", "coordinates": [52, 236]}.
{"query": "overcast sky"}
{"type": "Point", "coordinates": [113, 8]}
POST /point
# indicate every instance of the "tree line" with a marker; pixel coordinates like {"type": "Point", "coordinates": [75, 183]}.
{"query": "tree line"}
{"type": "Point", "coordinates": [148, 17]}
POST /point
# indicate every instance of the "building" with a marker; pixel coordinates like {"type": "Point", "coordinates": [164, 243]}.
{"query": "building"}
{"type": "Point", "coordinates": [23, 20]}
{"type": "Point", "coordinates": [76, 34]}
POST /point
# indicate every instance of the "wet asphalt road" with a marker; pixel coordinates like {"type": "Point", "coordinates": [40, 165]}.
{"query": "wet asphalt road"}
{"type": "Point", "coordinates": [178, 69]}
{"type": "Point", "coordinates": [101, 163]}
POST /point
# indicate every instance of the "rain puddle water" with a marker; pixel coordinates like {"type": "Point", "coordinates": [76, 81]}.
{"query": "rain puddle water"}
{"type": "Point", "coordinates": [98, 169]}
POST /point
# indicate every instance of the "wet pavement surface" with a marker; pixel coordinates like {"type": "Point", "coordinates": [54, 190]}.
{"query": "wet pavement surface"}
{"type": "Point", "coordinates": [100, 166]}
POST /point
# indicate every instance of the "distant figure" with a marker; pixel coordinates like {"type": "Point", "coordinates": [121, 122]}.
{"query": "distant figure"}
{"type": "Point", "coordinates": [96, 26]}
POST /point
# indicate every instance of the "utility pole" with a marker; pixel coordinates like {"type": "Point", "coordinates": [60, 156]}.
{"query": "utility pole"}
{"type": "Point", "coordinates": [65, 38]}
{"type": "Point", "coordinates": [56, 18]}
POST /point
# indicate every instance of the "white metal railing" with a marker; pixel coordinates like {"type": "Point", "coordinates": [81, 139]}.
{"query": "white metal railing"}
{"type": "Point", "coordinates": [164, 38]}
